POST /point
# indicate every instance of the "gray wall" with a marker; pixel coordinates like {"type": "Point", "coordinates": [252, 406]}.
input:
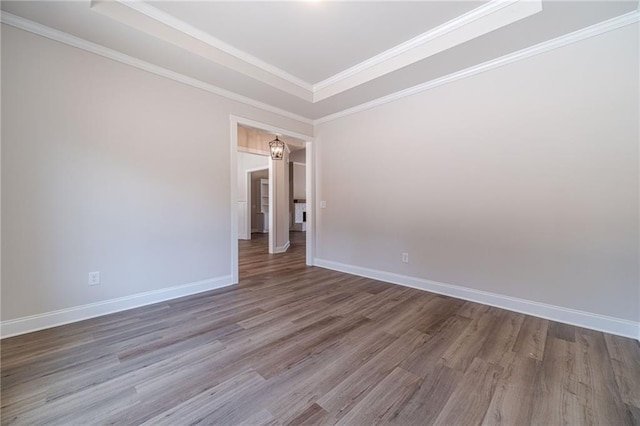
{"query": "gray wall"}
{"type": "Point", "coordinates": [521, 181]}
{"type": "Point", "coordinates": [108, 168]}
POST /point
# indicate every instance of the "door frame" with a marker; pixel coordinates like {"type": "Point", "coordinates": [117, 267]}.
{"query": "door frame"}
{"type": "Point", "coordinates": [310, 183]}
{"type": "Point", "coordinates": [247, 192]}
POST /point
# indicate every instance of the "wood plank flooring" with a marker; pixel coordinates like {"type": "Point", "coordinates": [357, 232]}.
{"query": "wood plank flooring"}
{"type": "Point", "coordinates": [295, 345]}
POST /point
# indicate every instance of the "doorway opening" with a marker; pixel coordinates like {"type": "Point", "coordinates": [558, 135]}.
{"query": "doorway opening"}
{"type": "Point", "coordinates": [272, 199]}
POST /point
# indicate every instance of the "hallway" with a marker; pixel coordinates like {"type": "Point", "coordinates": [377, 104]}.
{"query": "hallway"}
{"type": "Point", "coordinates": [254, 258]}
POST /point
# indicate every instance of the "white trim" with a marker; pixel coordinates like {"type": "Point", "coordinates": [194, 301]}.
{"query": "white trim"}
{"type": "Point", "coordinates": [249, 196]}
{"type": "Point", "coordinates": [457, 22]}
{"type": "Point", "coordinates": [576, 36]}
{"type": "Point", "coordinates": [163, 26]}
{"type": "Point", "coordinates": [177, 24]}
{"type": "Point", "coordinates": [272, 206]}
{"type": "Point", "coordinates": [242, 205]}
{"type": "Point", "coordinates": [257, 169]}
{"type": "Point", "coordinates": [489, 17]}
{"type": "Point", "coordinates": [310, 183]}
{"type": "Point", "coordinates": [269, 128]}
{"type": "Point", "coordinates": [283, 249]}
{"type": "Point", "coordinates": [78, 313]}
{"type": "Point", "coordinates": [62, 37]}
{"type": "Point", "coordinates": [233, 166]}
{"type": "Point", "coordinates": [607, 324]}
{"type": "Point", "coordinates": [256, 151]}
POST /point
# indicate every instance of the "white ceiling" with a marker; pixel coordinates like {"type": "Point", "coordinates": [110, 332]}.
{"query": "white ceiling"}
{"type": "Point", "coordinates": [309, 59]}
{"type": "Point", "coordinates": [314, 40]}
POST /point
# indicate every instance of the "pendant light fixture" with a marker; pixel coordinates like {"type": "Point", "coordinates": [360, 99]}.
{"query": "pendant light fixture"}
{"type": "Point", "coordinates": [277, 149]}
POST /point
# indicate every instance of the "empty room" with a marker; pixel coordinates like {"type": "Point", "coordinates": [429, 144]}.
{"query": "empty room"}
{"type": "Point", "coordinates": [320, 212]}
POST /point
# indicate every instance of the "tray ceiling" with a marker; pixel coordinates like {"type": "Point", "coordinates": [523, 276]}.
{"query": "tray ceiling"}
{"type": "Point", "coordinates": [311, 59]}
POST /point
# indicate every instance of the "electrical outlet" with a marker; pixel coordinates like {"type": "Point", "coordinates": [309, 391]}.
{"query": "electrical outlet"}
{"type": "Point", "coordinates": [323, 204]}
{"type": "Point", "coordinates": [405, 257]}
{"type": "Point", "coordinates": [94, 278]}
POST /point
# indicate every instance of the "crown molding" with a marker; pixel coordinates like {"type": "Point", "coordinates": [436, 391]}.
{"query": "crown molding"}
{"type": "Point", "coordinates": [439, 31]}
{"type": "Point", "coordinates": [172, 31]}
{"type": "Point", "coordinates": [170, 20]}
{"type": "Point", "coordinates": [576, 36]}
{"type": "Point", "coordinates": [489, 17]}
{"type": "Point", "coordinates": [591, 31]}
{"type": "Point", "coordinates": [479, 21]}
{"type": "Point", "coordinates": [71, 40]}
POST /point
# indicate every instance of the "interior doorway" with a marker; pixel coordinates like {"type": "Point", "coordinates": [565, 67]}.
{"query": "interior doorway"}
{"type": "Point", "coordinates": [286, 217]}
{"type": "Point", "coordinates": [259, 202]}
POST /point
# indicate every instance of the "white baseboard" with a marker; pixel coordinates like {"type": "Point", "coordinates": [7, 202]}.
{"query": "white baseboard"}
{"type": "Point", "coordinates": [283, 248]}
{"type": "Point", "coordinates": [612, 325]}
{"type": "Point", "coordinates": [78, 313]}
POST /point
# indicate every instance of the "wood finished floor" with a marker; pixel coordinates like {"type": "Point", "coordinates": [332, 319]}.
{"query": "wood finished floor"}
{"type": "Point", "coordinates": [295, 345]}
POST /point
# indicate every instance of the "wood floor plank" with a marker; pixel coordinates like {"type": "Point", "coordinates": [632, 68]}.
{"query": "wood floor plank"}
{"type": "Point", "coordinates": [512, 402]}
{"type": "Point", "coordinates": [418, 310]}
{"type": "Point", "coordinates": [381, 404]}
{"type": "Point", "coordinates": [52, 380]}
{"type": "Point", "coordinates": [634, 413]}
{"type": "Point", "coordinates": [465, 348]}
{"type": "Point", "coordinates": [386, 299]}
{"type": "Point", "coordinates": [555, 401]}
{"type": "Point", "coordinates": [273, 365]}
{"type": "Point", "coordinates": [17, 406]}
{"type": "Point", "coordinates": [430, 397]}
{"type": "Point", "coordinates": [439, 311]}
{"type": "Point", "coordinates": [289, 312]}
{"type": "Point", "coordinates": [472, 310]}
{"type": "Point", "coordinates": [314, 415]}
{"type": "Point", "coordinates": [422, 360]}
{"type": "Point", "coordinates": [80, 393]}
{"type": "Point", "coordinates": [470, 401]}
{"type": "Point", "coordinates": [300, 345]}
{"type": "Point", "coordinates": [214, 405]}
{"type": "Point", "coordinates": [109, 404]}
{"type": "Point", "coordinates": [293, 391]}
{"type": "Point", "coordinates": [625, 361]}
{"type": "Point", "coordinates": [561, 331]}
{"type": "Point", "coordinates": [349, 392]}
{"type": "Point", "coordinates": [498, 345]}
{"type": "Point", "coordinates": [597, 390]}
{"type": "Point", "coordinates": [259, 418]}
{"type": "Point", "coordinates": [532, 337]}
